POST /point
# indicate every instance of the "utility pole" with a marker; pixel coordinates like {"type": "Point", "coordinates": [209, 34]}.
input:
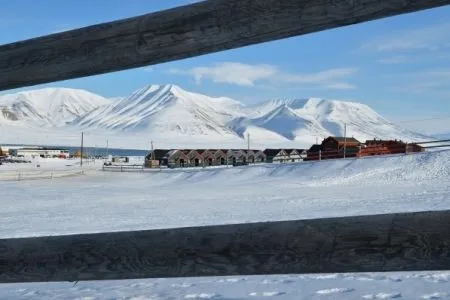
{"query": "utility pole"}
{"type": "Point", "coordinates": [82, 150]}
{"type": "Point", "coordinates": [345, 138]}
{"type": "Point", "coordinates": [248, 146]}
{"type": "Point", "coordinates": [153, 154]}
{"type": "Point", "coordinates": [107, 146]}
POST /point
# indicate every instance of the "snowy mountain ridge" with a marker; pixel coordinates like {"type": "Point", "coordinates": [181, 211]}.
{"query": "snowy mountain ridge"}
{"type": "Point", "coordinates": [170, 113]}
{"type": "Point", "coordinates": [52, 107]}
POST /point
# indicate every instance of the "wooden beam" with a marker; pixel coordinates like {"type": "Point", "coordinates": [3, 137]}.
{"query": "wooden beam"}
{"type": "Point", "coordinates": [389, 242]}
{"type": "Point", "coordinates": [183, 32]}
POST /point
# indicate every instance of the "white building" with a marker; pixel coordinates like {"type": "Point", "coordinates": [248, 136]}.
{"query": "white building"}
{"type": "Point", "coordinates": [43, 152]}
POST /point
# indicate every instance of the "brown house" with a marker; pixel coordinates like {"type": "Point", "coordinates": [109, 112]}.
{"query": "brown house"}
{"type": "Point", "coordinates": [383, 147]}
{"type": "Point", "coordinates": [220, 157]}
{"type": "Point", "coordinates": [314, 153]}
{"type": "Point", "coordinates": [209, 157]}
{"type": "Point", "coordinates": [333, 147]}
{"type": "Point", "coordinates": [237, 157]}
{"type": "Point", "coordinates": [195, 157]}
{"type": "Point", "coordinates": [175, 159]}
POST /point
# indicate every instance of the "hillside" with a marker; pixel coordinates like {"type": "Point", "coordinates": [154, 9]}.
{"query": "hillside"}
{"type": "Point", "coordinates": [52, 107]}
{"type": "Point", "coordinates": [164, 109]}
{"type": "Point", "coordinates": [306, 119]}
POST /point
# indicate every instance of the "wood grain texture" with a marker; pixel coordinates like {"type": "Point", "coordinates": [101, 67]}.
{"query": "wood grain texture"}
{"type": "Point", "coordinates": [183, 32]}
{"type": "Point", "coordinates": [391, 242]}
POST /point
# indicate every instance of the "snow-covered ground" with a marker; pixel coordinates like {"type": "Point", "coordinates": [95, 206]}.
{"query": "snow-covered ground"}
{"type": "Point", "coordinates": [109, 201]}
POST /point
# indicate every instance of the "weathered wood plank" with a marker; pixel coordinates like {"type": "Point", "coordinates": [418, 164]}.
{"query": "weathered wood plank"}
{"type": "Point", "coordinates": [183, 32]}
{"type": "Point", "coordinates": [390, 242]}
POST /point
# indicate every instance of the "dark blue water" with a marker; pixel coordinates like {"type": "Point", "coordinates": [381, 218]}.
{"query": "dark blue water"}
{"type": "Point", "coordinates": [99, 151]}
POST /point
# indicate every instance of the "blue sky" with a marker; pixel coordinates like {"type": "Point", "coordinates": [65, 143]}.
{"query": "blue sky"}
{"type": "Point", "coordinates": [399, 66]}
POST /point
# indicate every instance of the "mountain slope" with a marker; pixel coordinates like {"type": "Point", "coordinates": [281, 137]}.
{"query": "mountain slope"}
{"type": "Point", "coordinates": [307, 119]}
{"type": "Point", "coordinates": [53, 107]}
{"type": "Point", "coordinates": [164, 109]}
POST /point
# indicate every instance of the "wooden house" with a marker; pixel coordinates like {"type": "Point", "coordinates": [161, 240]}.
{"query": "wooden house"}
{"type": "Point", "coordinates": [155, 156]}
{"type": "Point", "coordinates": [175, 159]}
{"type": "Point", "coordinates": [333, 147]}
{"type": "Point", "coordinates": [314, 152]}
{"type": "Point", "coordinates": [259, 156]}
{"type": "Point", "coordinates": [220, 157]}
{"type": "Point", "coordinates": [276, 155]}
{"type": "Point", "coordinates": [195, 157]}
{"type": "Point", "coordinates": [209, 157]}
{"type": "Point", "coordinates": [249, 156]}
{"type": "Point", "coordinates": [295, 155]}
{"type": "Point", "coordinates": [237, 157]}
{"type": "Point", "coordinates": [383, 147]}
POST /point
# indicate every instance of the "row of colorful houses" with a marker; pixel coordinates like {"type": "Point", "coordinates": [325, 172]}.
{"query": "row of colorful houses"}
{"type": "Point", "coordinates": [330, 148]}
{"type": "Point", "coordinates": [216, 157]}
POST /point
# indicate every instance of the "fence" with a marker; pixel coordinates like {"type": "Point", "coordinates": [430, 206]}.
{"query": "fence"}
{"type": "Point", "coordinates": [30, 175]}
{"type": "Point", "coordinates": [395, 242]}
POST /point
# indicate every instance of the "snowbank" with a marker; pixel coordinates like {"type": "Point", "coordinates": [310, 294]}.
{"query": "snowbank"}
{"type": "Point", "coordinates": [106, 201]}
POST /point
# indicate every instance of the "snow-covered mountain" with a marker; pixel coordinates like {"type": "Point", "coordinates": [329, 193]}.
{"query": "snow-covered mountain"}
{"type": "Point", "coordinates": [51, 107]}
{"type": "Point", "coordinates": [169, 114]}
{"type": "Point", "coordinates": [304, 119]}
{"type": "Point", "coordinates": [165, 109]}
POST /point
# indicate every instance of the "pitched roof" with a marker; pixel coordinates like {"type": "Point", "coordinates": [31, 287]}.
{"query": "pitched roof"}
{"type": "Point", "coordinates": [158, 153]}
{"type": "Point", "coordinates": [271, 152]}
{"type": "Point", "coordinates": [315, 148]}
{"type": "Point", "coordinates": [341, 139]}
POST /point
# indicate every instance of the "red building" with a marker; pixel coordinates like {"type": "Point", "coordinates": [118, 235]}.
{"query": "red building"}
{"type": "Point", "coordinates": [333, 147]}
{"type": "Point", "coordinates": [383, 147]}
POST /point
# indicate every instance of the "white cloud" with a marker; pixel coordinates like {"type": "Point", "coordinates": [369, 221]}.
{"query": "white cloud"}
{"type": "Point", "coordinates": [230, 72]}
{"type": "Point", "coordinates": [249, 75]}
{"type": "Point", "coordinates": [430, 38]}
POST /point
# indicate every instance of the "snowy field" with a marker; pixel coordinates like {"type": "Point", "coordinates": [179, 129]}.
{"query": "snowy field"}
{"type": "Point", "coordinates": [110, 201]}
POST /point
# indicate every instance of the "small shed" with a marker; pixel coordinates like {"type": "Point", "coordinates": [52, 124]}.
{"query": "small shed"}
{"type": "Point", "coordinates": [4, 151]}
